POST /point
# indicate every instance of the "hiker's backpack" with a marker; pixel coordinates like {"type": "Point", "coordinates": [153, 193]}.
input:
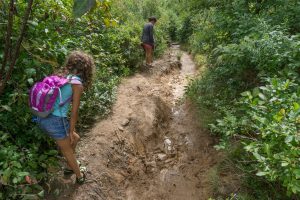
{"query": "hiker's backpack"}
{"type": "Point", "coordinates": [43, 94]}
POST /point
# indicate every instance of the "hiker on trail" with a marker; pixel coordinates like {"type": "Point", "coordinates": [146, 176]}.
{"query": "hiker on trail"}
{"type": "Point", "coordinates": [79, 68]}
{"type": "Point", "coordinates": [148, 40]}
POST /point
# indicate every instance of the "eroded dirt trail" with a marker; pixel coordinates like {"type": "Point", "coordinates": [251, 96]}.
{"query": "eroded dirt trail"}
{"type": "Point", "coordinates": [151, 146]}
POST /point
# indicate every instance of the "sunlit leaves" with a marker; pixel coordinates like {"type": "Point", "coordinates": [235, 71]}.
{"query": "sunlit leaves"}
{"type": "Point", "coordinates": [272, 134]}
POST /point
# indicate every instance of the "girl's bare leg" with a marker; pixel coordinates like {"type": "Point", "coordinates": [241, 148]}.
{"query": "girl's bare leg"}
{"type": "Point", "coordinates": [68, 152]}
{"type": "Point", "coordinates": [76, 140]}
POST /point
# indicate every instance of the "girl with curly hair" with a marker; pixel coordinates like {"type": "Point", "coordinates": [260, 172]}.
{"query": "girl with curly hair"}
{"type": "Point", "coordinates": [80, 66]}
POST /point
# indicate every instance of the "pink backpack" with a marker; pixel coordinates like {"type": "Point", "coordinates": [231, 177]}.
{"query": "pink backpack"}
{"type": "Point", "coordinates": [43, 94]}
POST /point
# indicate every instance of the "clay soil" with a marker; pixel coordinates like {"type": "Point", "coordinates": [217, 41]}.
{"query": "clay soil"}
{"type": "Point", "coordinates": [151, 146]}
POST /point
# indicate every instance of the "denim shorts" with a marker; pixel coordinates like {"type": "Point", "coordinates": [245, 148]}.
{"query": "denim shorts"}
{"type": "Point", "coordinates": [56, 127]}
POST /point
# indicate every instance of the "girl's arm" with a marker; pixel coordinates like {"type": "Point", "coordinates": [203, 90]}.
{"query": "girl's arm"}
{"type": "Point", "coordinates": [77, 91]}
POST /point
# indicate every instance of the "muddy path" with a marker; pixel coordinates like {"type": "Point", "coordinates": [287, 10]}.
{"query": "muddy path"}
{"type": "Point", "coordinates": [151, 146]}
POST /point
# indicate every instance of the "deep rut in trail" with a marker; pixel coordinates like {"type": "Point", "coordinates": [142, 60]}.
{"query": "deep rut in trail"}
{"type": "Point", "coordinates": [151, 146]}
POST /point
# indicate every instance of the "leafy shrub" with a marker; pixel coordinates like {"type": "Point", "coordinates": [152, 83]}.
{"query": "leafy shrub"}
{"type": "Point", "coordinates": [246, 43]}
{"type": "Point", "coordinates": [267, 126]}
{"type": "Point", "coordinates": [24, 164]}
{"type": "Point", "coordinates": [237, 67]}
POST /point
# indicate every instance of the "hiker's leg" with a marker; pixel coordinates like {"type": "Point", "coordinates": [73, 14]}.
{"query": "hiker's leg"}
{"type": "Point", "coordinates": [147, 49]}
{"type": "Point", "coordinates": [148, 56]}
{"type": "Point", "coordinates": [76, 140]}
{"type": "Point", "coordinates": [67, 150]}
{"type": "Point", "coordinates": [151, 55]}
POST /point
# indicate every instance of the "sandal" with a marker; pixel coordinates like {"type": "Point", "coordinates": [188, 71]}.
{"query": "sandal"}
{"type": "Point", "coordinates": [68, 171]}
{"type": "Point", "coordinates": [81, 180]}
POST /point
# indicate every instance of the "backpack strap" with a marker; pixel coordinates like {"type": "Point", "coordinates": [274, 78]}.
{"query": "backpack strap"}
{"type": "Point", "coordinates": [74, 80]}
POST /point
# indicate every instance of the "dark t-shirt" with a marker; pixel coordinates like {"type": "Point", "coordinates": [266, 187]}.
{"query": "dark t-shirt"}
{"type": "Point", "coordinates": [147, 36]}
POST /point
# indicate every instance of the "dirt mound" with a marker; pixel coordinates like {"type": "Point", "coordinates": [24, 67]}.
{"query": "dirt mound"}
{"type": "Point", "coordinates": [151, 146]}
{"type": "Point", "coordinates": [148, 124]}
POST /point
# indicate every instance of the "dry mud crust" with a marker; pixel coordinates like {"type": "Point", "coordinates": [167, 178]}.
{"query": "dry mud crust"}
{"type": "Point", "coordinates": [148, 123]}
{"type": "Point", "coordinates": [151, 146]}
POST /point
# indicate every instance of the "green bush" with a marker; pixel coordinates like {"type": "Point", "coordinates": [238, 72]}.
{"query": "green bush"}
{"type": "Point", "coordinates": [267, 124]}
{"type": "Point", "coordinates": [246, 43]}
{"type": "Point", "coordinates": [238, 67]}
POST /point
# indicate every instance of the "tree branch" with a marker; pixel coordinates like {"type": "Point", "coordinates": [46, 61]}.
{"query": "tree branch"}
{"type": "Point", "coordinates": [17, 48]}
{"type": "Point", "coordinates": [8, 38]}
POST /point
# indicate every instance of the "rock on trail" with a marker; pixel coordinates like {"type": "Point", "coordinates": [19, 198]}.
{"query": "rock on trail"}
{"type": "Point", "coordinates": [151, 146]}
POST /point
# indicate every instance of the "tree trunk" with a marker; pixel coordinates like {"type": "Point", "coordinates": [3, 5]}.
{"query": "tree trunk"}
{"type": "Point", "coordinates": [5, 79]}
{"type": "Point", "coordinates": [8, 38]}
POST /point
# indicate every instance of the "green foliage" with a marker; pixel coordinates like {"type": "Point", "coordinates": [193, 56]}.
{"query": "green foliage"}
{"type": "Point", "coordinates": [98, 100]}
{"type": "Point", "coordinates": [246, 43]}
{"type": "Point", "coordinates": [268, 130]}
{"type": "Point", "coordinates": [238, 67]}
{"type": "Point", "coordinates": [108, 31]}
{"type": "Point", "coordinates": [21, 157]}
{"type": "Point", "coordinates": [134, 14]}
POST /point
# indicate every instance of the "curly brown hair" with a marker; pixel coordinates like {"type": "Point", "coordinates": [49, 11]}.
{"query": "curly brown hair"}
{"type": "Point", "coordinates": [82, 65]}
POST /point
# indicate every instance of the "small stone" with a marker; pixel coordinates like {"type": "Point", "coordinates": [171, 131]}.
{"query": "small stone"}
{"type": "Point", "coordinates": [121, 128]}
{"type": "Point", "coordinates": [150, 164]}
{"type": "Point", "coordinates": [153, 170]}
{"type": "Point", "coordinates": [169, 160]}
{"type": "Point", "coordinates": [125, 122]}
{"type": "Point", "coordinates": [119, 178]}
{"type": "Point", "coordinates": [161, 156]}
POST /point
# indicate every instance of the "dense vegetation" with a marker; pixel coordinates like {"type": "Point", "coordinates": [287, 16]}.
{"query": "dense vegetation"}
{"type": "Point", "coordinates": [250, 84]}
{"type": "Point", "coordinates": [110, 31]}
